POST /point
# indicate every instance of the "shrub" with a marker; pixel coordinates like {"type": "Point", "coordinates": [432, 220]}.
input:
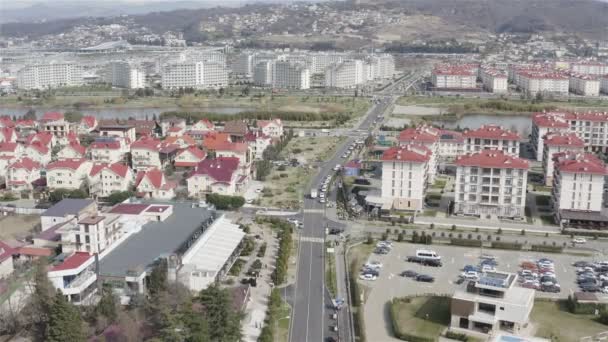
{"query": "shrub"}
{"type": "Point", "coordinates": [465, 242]}
{"type": "Point", "coordinates": [506, 245]}
{"type": "Point", "coordinates": [223, 202]}
{"type": "Point", "coordinates": [262, 250]}
{"type": "Point", "coordinates": [456, 336]}
{"type": "Point", "coordinates": [370, 239]}
{"type": "Point", "coordinates": [499, 231]}
{"type": "Point", "coordinates": [400, 237]}
{"type": "Point", "coordinates": [453, 227]}
{"type": "Point", "coordinates": [523, 232]}
{"type": "Point", "coordinates": [547, 249]}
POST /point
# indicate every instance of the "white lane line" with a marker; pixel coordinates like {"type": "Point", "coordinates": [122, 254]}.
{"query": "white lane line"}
{"type": "Point", "coordinates": [308, 290]}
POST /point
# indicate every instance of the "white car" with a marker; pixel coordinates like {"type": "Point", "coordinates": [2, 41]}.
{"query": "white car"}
{"type": "Point", "coordinates": [470, 275]}
{"type": "Point", "coordinates": [258, 191]}
{"type": "Point", "coordinates": [488, 268]}
{"type": "Point", "coordinates": [373, 265]}
{"type": "Point", "coordinates": [322, 195]}
{"type": "Point", "coordinates": [604, 289]}
{"type": "Point", "coordinates": [321, 200]}
{"type": "Point", "coordinates": [579, 240]}
{"type": "Point", "coordinates": [368, 276]}
{"type": "Point", "coordinates": [337, 167]}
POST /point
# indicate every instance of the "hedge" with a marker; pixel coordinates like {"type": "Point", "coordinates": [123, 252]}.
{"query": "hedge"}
{"type": "Point", "coordinates": [466, 242]}
{"type": "Point", "coordinates": [586, 233]}
{"type": "Point", "coordinates": [507, 245]}
{"type": "Point", "coordinates": [547, 249]}
{"type": "Point", "coordinates": [456, 336]}
{"type": "Point", "coordinates": [223, 202]}
{"type": "Point", "coordinates": [402, 335]}
{"type": "Point", "coordinates": [577, 308]}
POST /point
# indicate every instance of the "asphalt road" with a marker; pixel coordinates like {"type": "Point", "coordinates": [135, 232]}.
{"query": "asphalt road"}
{"type": "Point", "coordinates": [310, 319]}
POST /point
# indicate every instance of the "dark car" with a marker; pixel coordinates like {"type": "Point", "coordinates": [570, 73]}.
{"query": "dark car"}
{"type": "Point", "coordinates": [409, 274]}
{"type": "Point", "coordinates": [432, 263]}
{"type": "Point", "coordinates": [362, 181]}
{"type": "Point", "coordinates": [589, 288]}
{"type": "Point", "coordinates": [335, 231]}
{"type": "Point", "coordinates": [551, 288]}
{"type": "Point", "coordinates": [381, 250]}
{"type": "Point", "coordinates": [459, 281]}
{"type": "Point", "coordinates": [586, 280]}
{"type": "Point", "coordinates": [425, 278]}
{"type": "Point", "coordinates": [581, 264]}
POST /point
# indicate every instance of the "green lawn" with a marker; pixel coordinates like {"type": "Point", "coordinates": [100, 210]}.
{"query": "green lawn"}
{"type": "Point", "coordinates": [439, 184]}
{"type": "Point", "coordinates": [330, 271]}
{"type": "Point", "coordinates": [284, 314]}
{"type": "Point", "coordinates": [422, 316]}
{"type": "Point", "coordinates": [429, 213]}
{"type": "Point", "coordinates": [557, 324]}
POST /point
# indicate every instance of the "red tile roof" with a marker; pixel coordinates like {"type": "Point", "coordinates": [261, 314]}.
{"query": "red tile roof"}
{"type": "Point", "coordinates": [448, 135]}
{"type": "Point", "coordinates": [491, 132]}
{"type": "Point", "coordinates": [206, 123]}
{"type": "Point", "coordinates": [96, 168]}
{"type": "Point", "coordinates": [8, 147]}
{"type": "Point", "coordinates": [38, 146]}
{"type": "Point", "coordinates": [25, 123]}
{"type": "Point", "coordinates": [146, 143]}
{"type": "Point", "coordinates": [6, 121]}
{"type": "Point", "coordinates": [35, 251]}
{"type": "Point", "coordinates": [129, 208]}
{"type": "Point", "coordinates": [73, 261]}
{"type": "Point", "coordinates": [52, 116]}
{"type": "Point", "coordinates": [551, 119]}
{"type": "Point", "coordinates": [492, 158]}
{"type": "Point", "coordinates": [586, 163]}
{"type": "Point", "coordinates": [105, 145]}
{"type": "Point", "coordinates": [212, 139]}
{"type": "Point", "coordinates": [119, 169]}
{"type": "Point", "coordinates": [563, 139]}
{"type": "Point", "coordinates": [44, 138]}
{"type": "Point", "coordinates": [407, 153]}
{"type": "Point", "coordinates": [454, 69]}
{"type": "Point", "coordinates": [88, 121]}
{"type": "Point", "coordinates": [154, 176]}
{"type": "Point", "coordinates": [72, 164]}
{"type": "Point", "coordinates": [6, 251]}
{"type": "Point", "coordinates": [188, 140]}
{"type": "Point", "coordinates": [25, 163]}
{"type": "Point", "coordinates": [195, 151]}
{"type": "Point", "coordinates": [75, 145]}
{"type": "Point", "coordinates": [220, 169]}
{"type": "Point", "coordinates": [7, 133]}
{"type": "Point", "coordinates": [421, 134]}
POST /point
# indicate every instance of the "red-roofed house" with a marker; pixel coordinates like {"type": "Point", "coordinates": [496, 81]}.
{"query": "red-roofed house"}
{"type": "Point", "coordinates": [10, 150]}
{"type": "Point", "coordinates": [72, 151]}
{"type": "Point", "coordinates": [578, 186]}
{"type": "Point", "coordinates": [6, 121]}
{"type": "Point", "coordinates": [543, 123]}
{"type": "Point", "coordinates": [106, 179]}
{"type": "Point", "coordinates": [68, 173]}
{"type": "Point", "coordinates": [21, 174]}
{"type": "Point", "coordinates": [491, 137]}
{"type": "Point", "coordinates": [220, 175]}
{"type": "Point", "coordinates": [258, 143]}
{"type": "Point", "coordinates": [68, 138]}
{"type": "Point", "coordinates": [272, 128]}
{"type": "Point", "coordinates": [426, 136]}
{"type": "Point", "coordinates": [204, 125]}
{"type": "Point", "coordinates": [153, 184]}
{"type": "Point", "coordinates": [189, 157]}
{"type": "Point", "coordinates": [145, 154]}
{"type": "Point", "coordinates": [37, 152]}
{"type": "Point", "coordinates": [109, 150]}
{"type": "Point", "coordinates": [556, 142]}
{"type": "Point", "coordinates": [404, 176]}
{"type": "Point", "coordinates": [6, 260]}
{"type": "Point", "coordinates": [183, 141]}
{"type": "Point", "coordinates": [451, 144]}
{"type": "Point", "coordinates": [8, 135]}
{"type": "Point", "coordinates": [75, 277]}
{"type": "Point", "coordinates": [490, 183]}
{"type": "Point", "coordinates": [55, 124]}
{"type": "Point", "coordinates": [170, 123]}
{"type": "Point", "coordinates": [45, 138]}
{"type": "Point", "coordinates": [175, 131]}
{"type": "Point", "coordinates": [25, 125]}
{"type": "Point", "coordinates": [88, 123]}
{"type": "Point", "coordinates": [238, 150]}
{"type": "Point", "coordinates": [212, 139]}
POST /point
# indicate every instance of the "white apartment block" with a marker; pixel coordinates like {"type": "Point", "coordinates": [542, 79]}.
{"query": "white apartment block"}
{"type": "Point", "coordinates": [320, 61]}
{"type": "Point", "coordinates": [348, 74]}
{"type": "Point", "coordinates": [490, 183]}
{"type": "Point", "coordinates": [290, 75]}
{"type": "Point", "coordinates": [105, 179]}
{"type": "Point", "coordinates": [491, 137]}
{"type": "Point", "coordinates": [51, 75]}
{"type": "Point", "coordinates": [454, 77]}
{"type": "Point", "coordinates": [428, 137]}
{"type": "Point", "coordinates": [405, 171]}
{"type": "Point", "coordinates": [542, 82]}
{"type": "Point", "coordinates": [492, 304]}
{"type": "Point", "coordinates": [380, 67]}
{"type": "Point", "coordinates": [68, 174]}
{"type": "Point", "coordinates": [262, 74]}
{"type": "Point", "coordinates": [494, 80]}
{"type": "Point", "coordinates": [589, 68]}
{"type": "Point", "coordinates": [125, 75]}
{"type": "Point", "coordinates": [586, 85]}
{"type": "Point", "coordinates": [199, 75]}
{"type": "Point", "coordinates": [556, 142]}
{"type": "Point", "coordinates": [92, 234]}
{"type": "Point", "coordinates": [578, 183]}
{"type": "Point", "coordinates": [451, 144]}
{"type": "Point", "coordinates": [543, 123]}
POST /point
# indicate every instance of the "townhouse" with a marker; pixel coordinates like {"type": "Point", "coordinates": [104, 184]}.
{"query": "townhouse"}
{"type": "Point", "coordinates": [428, 137]}
{"type": "Point", "coordinates": [21, 174]}
{"type": "Point", "coordinates": [491, 137]}
{"type": "Point", "coordinates": [68, 174]}
{"type": "Point", "coordinates": [153, 184]}
{"type": "Point", "coordinates": [145, 154]}
{"type": "Point", "coordinates": [490, 184]}
{"type": "Point", "coordinates": [189, 157]}
{"type": "Point", "coordinates": [109, 150]}
{"type": "Point", "coordinates": [55, 123]}
{"type": "Point", "coordinates": [73, 150]}
{"type": "Point", "coordinates": [173, 123]}
{"type": "Point", "coordinates": [405, 172]}
{"type": "Point", "coordinates": [220, 175]}
{"type": "Point", "coordinates": [556, 142]}
{"type": "Point", "coordinates": [578, 189]}
{"type": "Point", "coordinates": [106, 179]}
{"type": "Point", "coordinates": [258, 143]}
{"type": "Point", "coordinates": [272, 128]}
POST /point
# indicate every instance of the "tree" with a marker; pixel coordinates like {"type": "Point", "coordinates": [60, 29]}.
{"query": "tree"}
{"type": "Point", "coordinates": [42, 299]}
{"type": "Point", "coordinates": [157, 281]}
{"type": "Point", "coordinates": [30, 115]}
{"type": "Point", "coordinates": [73, 116]}
{"type": "Point", "coordinates": [107, 306]}
{"type": "Point", "coordinates": [65, 323]}
{"type": "Point", "coordinates": [223, 320]}
{"type": "Point", "coordinates": [59, 194]}
{"type": "Point", "coordinates": [119, 197]}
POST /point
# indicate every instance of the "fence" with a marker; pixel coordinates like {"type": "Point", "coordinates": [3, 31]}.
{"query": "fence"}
{"type": "Point", "coordinates": [18, 210]}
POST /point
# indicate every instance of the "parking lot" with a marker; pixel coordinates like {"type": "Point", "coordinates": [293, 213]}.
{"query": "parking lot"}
{"type": "Point", "coordinates": [390, 284]}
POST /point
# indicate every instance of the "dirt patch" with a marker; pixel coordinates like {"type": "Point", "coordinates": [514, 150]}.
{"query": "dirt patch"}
{"type": "Point", "coordinates": [17, 226]}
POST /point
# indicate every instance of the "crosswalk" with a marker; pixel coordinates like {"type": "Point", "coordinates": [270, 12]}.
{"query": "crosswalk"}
{"type": "Point", "coordinates": [313, 211]}
{"type": "Point", "coordinates": [312, 239]}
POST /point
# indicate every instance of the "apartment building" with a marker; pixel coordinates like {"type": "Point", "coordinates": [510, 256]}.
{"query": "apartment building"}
{"type": "Point", "coordinates": [272, 128]}
{"type": "Point", "coordinates": [379, 67]}
{"type": "Point", "coordinates": [491, 137]}
{"type": "Point", "coordinates": [586, 85]}
{"type": "Point", "coordinates": [93, 233]}
{"type": "Point", "coordinates": [347, 74]}
{"type": "Point", "coordinates": [125, 75]}
{"type": "Point", "coordinates": [446, 76]}
{"type": "Point", "coordinates": [220, 175]}
{"type": "Point", "coordinates": [492, 304]}
{"type": "Point", "coordinates": [543, 82]}
{"type": "Point", "coordinates": [428, 137]}
{"type": "Point", "coordinates": [262, 74]}
{"type": "Point", "coordinates": [145, 154]}
{"type": "Point", "coordinates": [405, 172]}
{"type": "Point", "coordinates": [494, 80]}
{"type": "Point", "coordinates": [71, 151]}
{"type": "Point", "coordinates": [68, 174]}
{"type": "Point", "coordinates": [55, 124]}
{"type": "Point", "coordinates": [589, 68]}
{"type": "Point", "coordinates": [290, 75]}
{"type": "Point", "coordinates": [320, 61]}
{"type": "Point", "coordinates": [490, 183]}
{"type": "Point", "coordinates": [75, 277]}
{"type": "Point", "coordinates": [578, 185]}
{"type": "Point", "coordinates": [556, 142]}
{"type": "Point", "coordinates": [127, 131]}
{"type": "Point", "coordinates": [543, 123]}
{"type": "Point", "coordinates": [199, 75]}
{"type": "Point", "coordinates": [451, 144]}
{"type": "Point", "coordinates": [21, 174]}
{"type": "Point", "coordinates": [105, 179]}
{"type": "Point", "coordinates": [109, 150]}
{"type": "Point", "coordinates": [258, 143]}
{"type": "Point", "coordinates": [49, 75]}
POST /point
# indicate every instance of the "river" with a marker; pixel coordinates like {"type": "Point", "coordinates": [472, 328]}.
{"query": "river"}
{"type": "Point", "coordinates": [110, 113]}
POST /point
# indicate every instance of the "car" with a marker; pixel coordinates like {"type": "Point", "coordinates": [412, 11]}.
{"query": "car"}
{"type": "Point", "coordinates": [381, 250]}
{"type": "Point", "coordinates": [531, 285]}
{"type": "Point", "coordinates": [321, 200]}
{"type": "Point", "coordinates": [579, 240]}
{"type": "Point", "coordinates": [322, 195]}
{"type": "Point", "coordinates": [373, 264]}
{"type": "Point", "coordinates": [409, 274]}
{"type": "Point", "coordinates": [545, 260]}
{"type": "Point", "coordinates": [488, 268]}
{"type": "Point", "coordinates": [468, 268]}
{"type": "Point", "coordinates": [337, 167]}
{"type": "Point", "coordinates": [581, 263]}
{"type": "Point", "coordinates": [258, 190]}
{"type": "Point", "coordinates": [432, 263]}
{"type": "Point", "coordinates": [384, 244]}
{"type": "Point", "coordinates": [555, 288]}
{"type": "Point", "coordinates": [368, 276]}
{"type": "Point", "coordinates": [335, 231]}
{"type": "Point", "coordinates": [470, 275]}
{"type": "Point", "coordinates": [459, 281]}
{"type": "Point", "coordinates": [424, 278]}
{"type": "Point", "coordinates": [249, 201]}
{"type": "Point", "coordinates": [525, 273]}
{"type": "Point", "coordinates": [589, 288]}
{"type": "Point", "coordinates": [604, 289]}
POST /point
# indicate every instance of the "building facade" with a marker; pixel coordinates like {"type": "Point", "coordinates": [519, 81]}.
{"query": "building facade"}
{"type": "Point", "coordinates": [125, 75]}
{"type": "Point", "coordinates": [51, 75]}
{"type": "Point", "coordinates": [405, 170]}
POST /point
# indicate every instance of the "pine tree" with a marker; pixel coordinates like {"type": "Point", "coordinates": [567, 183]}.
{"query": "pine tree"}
{"type": "Point", "coordinates": [42, 300]}
{"type": "Point", "coordinates": [224, 322]}
{"type": "Point", "coordinates": [108, 306]}
{"type": "Point", "coordinates": [65, 323]}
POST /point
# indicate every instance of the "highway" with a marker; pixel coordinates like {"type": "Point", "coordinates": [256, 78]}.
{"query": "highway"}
{"type": "Point", "coordinates": [310, 318]}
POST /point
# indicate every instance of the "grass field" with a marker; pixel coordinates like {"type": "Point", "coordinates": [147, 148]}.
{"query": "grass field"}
{"type": "Point", "coordinates": [284, 189]}
{"type": "Point", "coordinates": [311, 149]}
{"type": "Point", "coordinates": [17, 226]}
{"type": "Point", "coordinates": [557, 324]}
{"type": "Point", "coordinates": [330, 271]}
{"type": "Point", "coordinates": [422, 316]}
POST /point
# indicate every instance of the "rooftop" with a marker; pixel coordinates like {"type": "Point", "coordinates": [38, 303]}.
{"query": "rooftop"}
{"type": "Point", "coordinates": [492, 158]}
{"type": "Point", "coordinates": [155, 239]}
{"type": "Point", "coordinates": [408, 153]}
{"type": "Point", "coordinates": [129, 208]}
{"type": "Point", "coordinates": [73, 261]}
{"type": "Point", "coordinates": [68, 206]}
{"type": "Point", "coordinates": [491, 132]}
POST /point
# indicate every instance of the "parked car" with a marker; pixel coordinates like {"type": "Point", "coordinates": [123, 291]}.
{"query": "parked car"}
{"type": "Point", "coordinates": [555, 288]}
{"type": "Point", "coordinates": [468, 268]}
{"type": "Point", "coordinates": [373, 264]}
{"type": "Point", "coordinates": [368, 276]}
{"type": "Point", "coordinates": [590, 288]}
{"type": "Point", "coordinates": [579, 240]}
{"type": "Point", "coordinates": [409, 274]}
{"type": "Point", "coordinates": [470, 275]}
{"type": "Point", "coordinates": [381, 250]}
{"type": "Point", "coordinates": [425, 278]}
{"type": "Point", "coordinates": [581, 263]}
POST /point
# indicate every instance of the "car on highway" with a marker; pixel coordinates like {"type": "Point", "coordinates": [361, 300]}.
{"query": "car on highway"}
{"type": "Point", "coordinates": [425, 278]}
{"type": "Point", "coordinates": [409, 274]}
{"type": "Point", "coordinates": [579, 240]}
{"type": "Point", "coordinates": [368, 276]}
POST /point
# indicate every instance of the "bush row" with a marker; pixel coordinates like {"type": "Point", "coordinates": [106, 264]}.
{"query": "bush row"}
{"type": "Point", "coordinates": [546, 249]}
{"type": "Point", "coordinates": [507, 245]}
{"type": "Point", "coordinates": [466, 243]}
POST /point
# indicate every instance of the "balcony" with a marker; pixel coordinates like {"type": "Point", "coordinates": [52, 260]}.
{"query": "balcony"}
{"type": "Point", "coordinates": [80, 283]}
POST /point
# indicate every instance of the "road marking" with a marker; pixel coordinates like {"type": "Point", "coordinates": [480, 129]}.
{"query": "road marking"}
{"type": "Point", "coordinates": [312, 239]}
{"type": "Point", "coordinates": [314, 211]}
